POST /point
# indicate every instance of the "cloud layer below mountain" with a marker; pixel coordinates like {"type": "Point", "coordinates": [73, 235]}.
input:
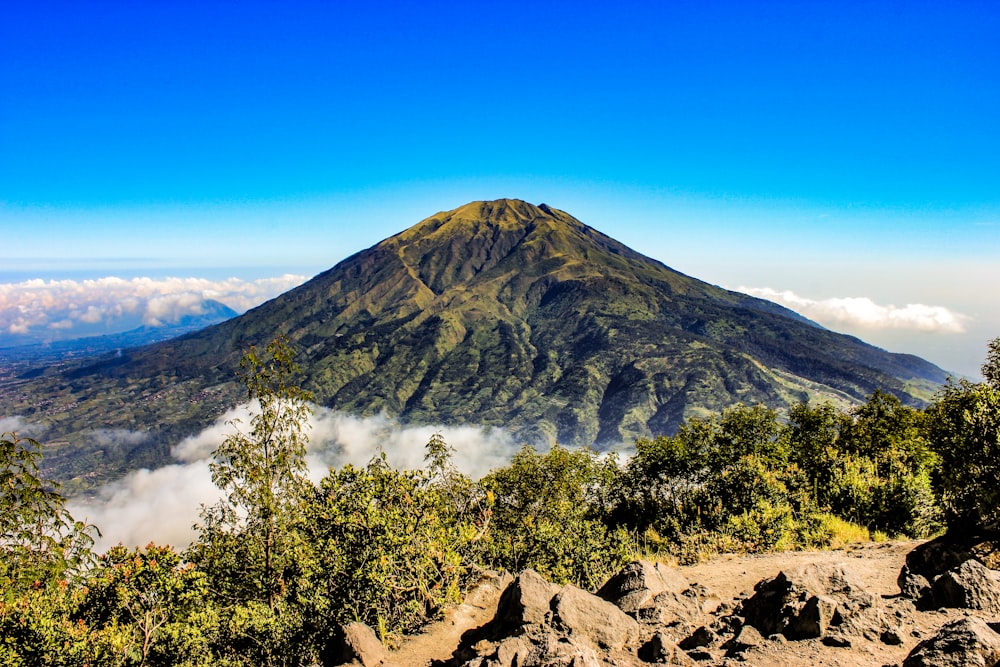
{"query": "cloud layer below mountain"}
{"type": "Point", "coordinates": [162, 505]}
{"type": "Point", "coordinates": [864, 313]}
{"type": "Point", "coordinates": [62, 309]}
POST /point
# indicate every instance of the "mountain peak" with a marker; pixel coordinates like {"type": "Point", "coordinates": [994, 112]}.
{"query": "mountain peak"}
{"type": "Point", "coordinates": [500, 313]}
{"type": "Point", "coordinates": [499, 214]}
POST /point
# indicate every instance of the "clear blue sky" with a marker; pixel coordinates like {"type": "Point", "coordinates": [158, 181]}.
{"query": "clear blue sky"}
{"type": "Point", "coordinates": [831, 149]}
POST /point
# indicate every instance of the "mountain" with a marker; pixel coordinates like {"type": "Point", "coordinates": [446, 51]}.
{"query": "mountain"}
{"type": "Point", "coordinates": [498, 313]}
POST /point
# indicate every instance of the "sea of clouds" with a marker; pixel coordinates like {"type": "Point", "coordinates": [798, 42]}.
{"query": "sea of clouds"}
{"type": "Point", "coordinates": [40, 310]}
{"type": "Point", "coordinates": [162, 505]}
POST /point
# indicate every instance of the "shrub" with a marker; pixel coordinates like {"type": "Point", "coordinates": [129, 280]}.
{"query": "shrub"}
{"type": "Point", "coordinates": [551, 514]}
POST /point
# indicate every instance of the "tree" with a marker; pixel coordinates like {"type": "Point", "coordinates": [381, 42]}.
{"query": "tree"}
{"type": "Point", "coordinates": [39, 539]}
{"type": "Point", "coordinates": [991, 368]}
{"type": "Point", "coordinates": [964, 428]}
{"type": "Point", "coordinates": [551, 513]}
{"type": "Point", "coordinates": [152, 599]}
{"type": "Point", "coordinates": [43, 552]}
{"type": "Point", "coordinates": [248, 545]}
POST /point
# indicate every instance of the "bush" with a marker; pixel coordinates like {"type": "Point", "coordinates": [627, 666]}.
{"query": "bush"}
{"type": "Point", "coordinates": [389, 548]}
{"type": "Point", "coordinates": [964, 425]}
{"type": "Point", "coordinates": [551, 514]}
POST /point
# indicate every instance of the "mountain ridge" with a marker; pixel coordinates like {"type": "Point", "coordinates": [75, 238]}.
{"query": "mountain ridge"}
{"type": "Point", "coordinates": [503, 314]}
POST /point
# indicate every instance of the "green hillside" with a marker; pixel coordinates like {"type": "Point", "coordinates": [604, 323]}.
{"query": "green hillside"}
{"type": "Point", "coordinates": [498, 313]}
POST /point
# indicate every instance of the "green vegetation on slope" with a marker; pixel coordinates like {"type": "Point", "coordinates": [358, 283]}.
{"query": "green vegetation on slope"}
{"type": "Point", "coordinates": [497, 313]}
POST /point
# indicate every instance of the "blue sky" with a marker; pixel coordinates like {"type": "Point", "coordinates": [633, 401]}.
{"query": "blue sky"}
{"type": "Point", "coordinates": [823, 151]}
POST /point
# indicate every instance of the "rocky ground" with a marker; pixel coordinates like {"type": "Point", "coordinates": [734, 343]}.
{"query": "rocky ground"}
{"type": "Point", "coordinates": [893, 603]}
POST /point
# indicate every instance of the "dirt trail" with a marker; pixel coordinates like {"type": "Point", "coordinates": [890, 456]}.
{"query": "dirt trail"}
{"type": "Point", "coordinates": [440, 639]}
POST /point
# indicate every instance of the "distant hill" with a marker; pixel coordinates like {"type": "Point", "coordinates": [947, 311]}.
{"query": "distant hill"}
{"type": "Point", "coordinates": [498, 313]}
{"type": "Point", "coordinates": [212, 312]}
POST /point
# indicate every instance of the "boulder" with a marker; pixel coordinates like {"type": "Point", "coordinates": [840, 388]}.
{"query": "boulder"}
{"type": "Point", "coordinates": [971, 585]}
{"type": "Point", "coordinates": [912, 585]}
{"type": "Point", "coordinates": [661, 650]}
{"type": "Point", "coordinates": [636, 584]}
{"type": "Point", "coordinates": [804, 603]}
{"type": "Point", "coordinates": [702, 636]}
{"type": "Point", "coordinates": [512, 652]}
{"type": "Point", "coordinates": [933, 558]}
{"type": "Point", "coordinates": [552, 651]}
{"type": "Point", "coordinates": [579, 613]}
{"type": "Point", "coordinates": [813, 619]}
{"type": "Point", "coordinates": [355, 642]}
{"type": "Point", "coordinates": [685, 610]}
{"type": "Point", "coordinates": [747, 638]}
{"type": "Point", "coordinates": [526, 601]}
{"type": "Point", "coordinates": [967, 642]}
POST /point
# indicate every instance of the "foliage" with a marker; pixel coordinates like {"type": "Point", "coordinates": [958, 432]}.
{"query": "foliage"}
{"type": "Point", "coordinates": [746, 480]}
{"type": "Point", "coordinates": [249, 546]}
{"type": "Point", "coordinates": [551, 514]}
{"type": "Point", "coordinates": [728, 475]}
{"type": "Point", "coordinates": [151, 596]}
{"type": "Point", "coordinates": [964, 425]}
{"type": "Point", "coordinates": [991, 367]}
{"type": "Point", "coordinates": [871, 465]}
{"type": "Point", "coordinates": [263, 474]}
{"type": "Point", "coordinates": [390, 548]}
{"type": "Point", "coordinates": [39, 540]}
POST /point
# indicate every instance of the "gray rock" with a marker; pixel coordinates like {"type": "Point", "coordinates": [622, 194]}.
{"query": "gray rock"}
{"type": "Point", "coordinates": [933, 558]}
{"type": "Point", "coordinates": [747, 638]}
{"type": "Point", "coordinates": [891, 637]}
{"type": "Point", "coordinates": [674, 609]}
{"type": "Point", "coordinates": [581, 614]}
{"type": "Point", "coordinates": [813, 619]}
{"type": "Point", "coordinates": [512, 652]}
{"type": "Point", "coordinates": [967, 642]}
{"type": "Point", "coordinates": [702, 636]}
{"type": "Point", "coordinates": [551, 651]}
{"type": "Point", "coordinates": [912, 585]}
{"type": "Point", "coordinates": [804, 603]}
{"type": "Point", "coordinates": [636, 584]}
{"type": "Point", "coordinates": [971, 585]}
{"type": "Point", "coordinates": [526, 601]}
{"type": "Point", "coordinates": [660, 649]}
{"type": "Point", "coordinates": [356, 642]}
{"type": "Point", "coordinates": [837, 641]}
{"type": "Point", "coordinates": [766, 608]}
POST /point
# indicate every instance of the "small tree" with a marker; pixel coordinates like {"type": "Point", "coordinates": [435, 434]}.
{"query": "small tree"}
{"type": "Point", "coordinates": [247, 543]}
{"type": "Point", "coordinates": [39, 539]}
{"type": "Point", "coordinates": [551, 513]}
{"type": "Point", "coordinates": [991, 368]}
{"type": "Point", "coordinates": [964, 428]}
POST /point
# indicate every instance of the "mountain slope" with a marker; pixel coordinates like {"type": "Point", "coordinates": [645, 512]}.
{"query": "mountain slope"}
{"type": "Point", "coordinates": [497, 313]}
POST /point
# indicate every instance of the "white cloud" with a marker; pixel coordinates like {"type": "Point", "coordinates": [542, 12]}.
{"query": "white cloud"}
{"type": "Point", "coordinates": [116, 304]}
{"type": "Point", "coordinates": [864, 313]}
{"type": "Point", "coordinates": [22, 427]}
{"type": "Point", "coordinates": [162, 505]}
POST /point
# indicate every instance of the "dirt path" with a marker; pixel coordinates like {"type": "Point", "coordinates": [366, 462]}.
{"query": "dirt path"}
{"type": "Point", "coordinates": [875, 565]}
{"type": "Point", "coordinates": [440, 639]}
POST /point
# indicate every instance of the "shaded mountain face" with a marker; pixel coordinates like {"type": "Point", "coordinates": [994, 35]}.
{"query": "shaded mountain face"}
{"type": "Point", "coordinates": [501, 314]}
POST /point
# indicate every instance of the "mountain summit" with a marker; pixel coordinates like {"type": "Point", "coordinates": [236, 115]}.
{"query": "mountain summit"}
{"type": "Point", "coordinates": [505, 314]}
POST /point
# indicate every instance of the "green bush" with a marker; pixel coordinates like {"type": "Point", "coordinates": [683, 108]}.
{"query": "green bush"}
{"type": "Point", "coordinates": [964, 425]}
{"type": "Point", "coordinates": [551, 512]}
{"type": "Point", "coordinates": [389, 548]}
